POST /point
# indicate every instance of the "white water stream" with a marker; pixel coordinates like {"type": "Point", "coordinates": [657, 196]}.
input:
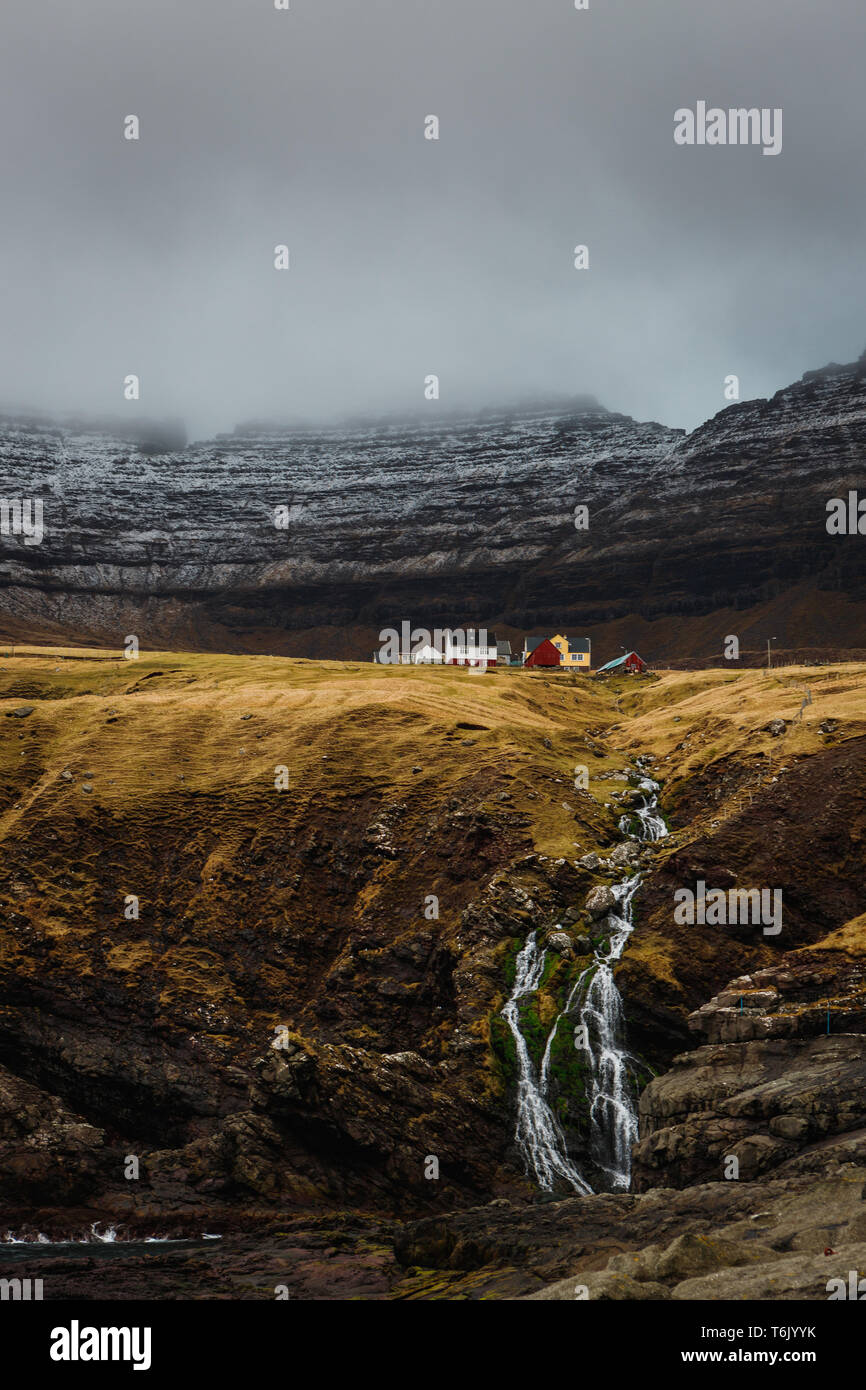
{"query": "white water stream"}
{"type": "Point", "coordinates": [594, 1001]}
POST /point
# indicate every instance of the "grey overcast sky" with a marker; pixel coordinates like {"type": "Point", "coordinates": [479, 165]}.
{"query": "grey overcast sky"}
{"type": "Point", "coordinates": [410, 256]}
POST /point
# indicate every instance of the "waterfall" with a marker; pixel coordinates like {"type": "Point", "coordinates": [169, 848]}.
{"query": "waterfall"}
{"type": "Point", "coordinates": [539, 1137]}
{"type": "Point", "coordinates": [599, 1035]}
{"type": "Point", "coordinates": [652, 827]}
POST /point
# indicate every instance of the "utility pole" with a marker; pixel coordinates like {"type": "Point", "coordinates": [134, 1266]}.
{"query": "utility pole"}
{"type": "Point", "coordinates": [769, 658]}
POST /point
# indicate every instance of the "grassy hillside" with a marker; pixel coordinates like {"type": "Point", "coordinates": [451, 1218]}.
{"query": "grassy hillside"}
{"type": "Point", "coordinates": [310, 908]}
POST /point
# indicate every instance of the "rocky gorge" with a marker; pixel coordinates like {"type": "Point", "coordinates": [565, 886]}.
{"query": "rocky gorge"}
{"type": "Point", "coordinates": [297, 1033]}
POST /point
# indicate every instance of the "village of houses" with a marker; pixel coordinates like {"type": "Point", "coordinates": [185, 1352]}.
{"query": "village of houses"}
{"type": "Point", "coordinates": [481, 651]}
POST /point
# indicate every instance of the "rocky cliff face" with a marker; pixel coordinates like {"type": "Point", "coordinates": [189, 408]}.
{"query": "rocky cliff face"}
{"type": "Point", "coordinates": [453, 521]}
{"type": "Point", "coordinates": [299, 1007]}
{"type": "Point", "coordinates": [284, 1032]}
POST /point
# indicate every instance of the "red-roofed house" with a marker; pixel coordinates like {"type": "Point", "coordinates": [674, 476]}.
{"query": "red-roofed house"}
{"type": "Point", "coordinates": [543, 654]}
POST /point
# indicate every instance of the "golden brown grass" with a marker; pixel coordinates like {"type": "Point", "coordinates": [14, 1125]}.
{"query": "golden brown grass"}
{"type": "Point", "coordinates": [171, 722]}
{"type": "Point", "coordinates": [727, 712]}
{"type": "Point", "coordinates": [851, 938]}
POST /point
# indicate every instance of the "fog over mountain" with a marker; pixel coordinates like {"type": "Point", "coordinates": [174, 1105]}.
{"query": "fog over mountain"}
{"type": "Point", "coordinates": [308, 542]}
{"type": "Point", "coordinates": [410, 256]}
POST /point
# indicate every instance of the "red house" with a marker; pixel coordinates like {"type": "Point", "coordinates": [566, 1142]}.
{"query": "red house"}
{"type": "Point", "coordinates": [542, 654]}
{"type": "Point", "coordinates": [630, 662]}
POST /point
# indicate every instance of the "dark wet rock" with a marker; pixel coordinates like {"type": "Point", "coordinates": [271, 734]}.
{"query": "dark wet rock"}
{"type": "Point", "coordinates": [662, 1237]}
{"type": "Point", "coordinates": [50, 1154]}
{"type": "Point", "coordinates": [721, 1102]}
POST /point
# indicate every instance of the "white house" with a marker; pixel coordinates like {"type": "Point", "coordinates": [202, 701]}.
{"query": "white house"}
{"type": "Point", "coordinates": [470, 648]}
{"type": "Point", "coordinates": [442, 647]}
{"type": "Point", "coordinates": [428, 655]}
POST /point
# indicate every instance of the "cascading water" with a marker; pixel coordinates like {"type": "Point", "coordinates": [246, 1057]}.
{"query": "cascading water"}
{"type": "Point", "coordinates": [652, 827]}
{"type": "Point", "coordinates": [599, 1034]}
{"type": "Point", "coordinates": [539, 1137]}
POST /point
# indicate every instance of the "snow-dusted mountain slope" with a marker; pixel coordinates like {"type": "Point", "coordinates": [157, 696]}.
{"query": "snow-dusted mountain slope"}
{"type": "Point", "coordinates": [442, 520]}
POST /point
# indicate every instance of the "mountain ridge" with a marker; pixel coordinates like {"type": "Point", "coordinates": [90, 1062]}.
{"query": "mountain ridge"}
{"type": "Point", "coordinates": [454, 521]}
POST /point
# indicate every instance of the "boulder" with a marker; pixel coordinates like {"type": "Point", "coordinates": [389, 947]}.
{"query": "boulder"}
{"type": "Point", "coordinates": [601, 1286]}
{"type": "Point", "coordinates": [626, 853]}
{"type": "Point", "coordinates": [805, 1277]}
{"type": "Point", "coordinates": [600, 901]}
{"type": "Point", "coordinates": [560, 942]}
{"type": "Point", "coordinates": [687, 1256]}
{"type": "Point", "coordinates": [691, 1255]}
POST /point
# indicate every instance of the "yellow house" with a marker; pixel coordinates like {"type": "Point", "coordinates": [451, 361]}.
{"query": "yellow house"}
{"type": "Point", "coordinates": [574, 655]}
